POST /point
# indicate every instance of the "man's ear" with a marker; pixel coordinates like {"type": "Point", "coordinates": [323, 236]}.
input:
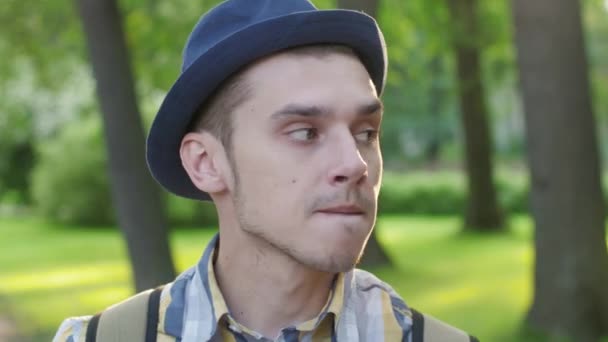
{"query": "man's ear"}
{"type": "Point", "coordinates": [198, 154]}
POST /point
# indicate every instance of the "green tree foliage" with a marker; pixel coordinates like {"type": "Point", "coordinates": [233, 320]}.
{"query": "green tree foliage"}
{"type": "Point", "coordinates": [421, 104]}
{"type": "Point", "coordinates": [16, 153]}
{"type": "Point", "coordinates": [416, 35]}
{"type": "Point", "coordinates": [421, 99]}
{"type": "Point", "coordinates": [444, 193]}
{"type": "Point", "coordinates": [184, 212]}
{"type": "Point", "coordinates": [69, 183]}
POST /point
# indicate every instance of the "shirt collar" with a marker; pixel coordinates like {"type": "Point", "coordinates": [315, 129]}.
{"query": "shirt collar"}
{"type": "Point", "coordinates": [331, 310]}
{"type": "Point", "coordinates": [217, 299]}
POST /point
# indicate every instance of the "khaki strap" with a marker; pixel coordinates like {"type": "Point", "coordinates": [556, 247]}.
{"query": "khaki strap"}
{"type": "Point", "coordinates": [437, 331]}
{"type": "Point", "coordinates": [429, 329]}
{"type": "Point", "coordinates": [125, 321]}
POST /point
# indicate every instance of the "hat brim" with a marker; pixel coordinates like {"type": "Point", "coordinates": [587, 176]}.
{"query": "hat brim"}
{"type": "Point", "coordinates": [208, 71]}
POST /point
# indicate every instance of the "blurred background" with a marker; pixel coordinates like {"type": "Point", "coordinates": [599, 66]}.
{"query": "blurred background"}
{"type": "Point", "coordinates": [492, 211]}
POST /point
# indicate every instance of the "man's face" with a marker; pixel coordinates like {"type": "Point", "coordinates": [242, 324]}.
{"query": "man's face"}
{"type": "Point", "coordinates": [307, 160]}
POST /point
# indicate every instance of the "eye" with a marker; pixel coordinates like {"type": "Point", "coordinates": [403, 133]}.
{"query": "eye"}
{"type": "Point", "coordinates": [304, 134]}
{"type": "Point", "coordinates": [367, 136]}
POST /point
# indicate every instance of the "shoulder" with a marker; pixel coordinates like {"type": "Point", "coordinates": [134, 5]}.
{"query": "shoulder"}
{"type": "Point", "coordinates": [371, 294]}
{"type": "Point", "coordinates": [368, 288]}
{"type": "Point", "coordinates": [428, 328]}
{"type": "Point", "coordinates": [136, 308]}
{"type": "Point", "coordinates": [377, 307]}
{"type": "Point", "coordinates": [73, 329]}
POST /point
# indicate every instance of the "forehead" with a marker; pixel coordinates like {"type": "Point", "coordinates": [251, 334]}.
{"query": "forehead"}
{"type": "Point", "coordinates": [334, 80]}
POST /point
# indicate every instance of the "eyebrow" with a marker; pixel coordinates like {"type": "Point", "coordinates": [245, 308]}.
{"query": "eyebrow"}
{"type": "Point", "coordinates": [293, 109]}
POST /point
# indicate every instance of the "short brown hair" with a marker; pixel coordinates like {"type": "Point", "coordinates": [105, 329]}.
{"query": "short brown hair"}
{"type": "Point", "coordinates": [215, 115]}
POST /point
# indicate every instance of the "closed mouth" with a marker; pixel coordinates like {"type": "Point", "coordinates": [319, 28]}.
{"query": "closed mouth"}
{"type": "Point", "coordinates": [343, 210]}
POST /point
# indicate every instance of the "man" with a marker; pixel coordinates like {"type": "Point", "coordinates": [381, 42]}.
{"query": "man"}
{"type": "Point", "coordinates": [275, 118]}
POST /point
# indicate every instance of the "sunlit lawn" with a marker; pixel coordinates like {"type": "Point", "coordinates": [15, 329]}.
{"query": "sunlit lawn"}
{"type": "Point", "coordinates": [479, 283]}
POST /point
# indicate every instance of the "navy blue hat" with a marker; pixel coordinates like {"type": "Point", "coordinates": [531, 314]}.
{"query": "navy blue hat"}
{"type": "Point", "coordinates": [231, 36]}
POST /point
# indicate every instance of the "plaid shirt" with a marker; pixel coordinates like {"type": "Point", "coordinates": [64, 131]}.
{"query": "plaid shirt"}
{"type": "Point", "coordinates": [192, 309]}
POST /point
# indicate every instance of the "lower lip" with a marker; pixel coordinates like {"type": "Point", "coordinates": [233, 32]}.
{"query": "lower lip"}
{"type": "Point", "coordinates": [341, 214]}
{"type": "Point", "coordinates": [340, 219]}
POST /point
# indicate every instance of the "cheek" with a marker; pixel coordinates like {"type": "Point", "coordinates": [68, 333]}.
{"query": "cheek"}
{"type": "Point", "coordinates": [273, 166]}
{"type": "Point", "coordinates": [373, 159]}
{"type": "Point", "coordinates": [271, 182]}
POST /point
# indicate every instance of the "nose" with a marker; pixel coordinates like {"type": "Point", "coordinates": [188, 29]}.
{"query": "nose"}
{"type": "Point", "coordinates": [348, 167]}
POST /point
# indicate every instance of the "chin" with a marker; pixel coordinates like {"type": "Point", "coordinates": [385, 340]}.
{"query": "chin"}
{"type": "Point", "coordinates": [348, 239]}
{"type": "Point", "coordinates": [347, 230]}
{"type": "Point", "coordinates": [334, 265]}
{"type": "Point", "coordinates": [338, 258]}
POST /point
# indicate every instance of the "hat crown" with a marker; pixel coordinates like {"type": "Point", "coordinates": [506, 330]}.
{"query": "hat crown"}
{"type": "Point", "coordinates": [232, 16]}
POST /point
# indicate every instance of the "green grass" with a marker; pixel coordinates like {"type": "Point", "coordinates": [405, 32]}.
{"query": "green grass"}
{"type": "Point", "coordinates": [479, 283]}
{"type": "Point", "coordinates": [48, 273]}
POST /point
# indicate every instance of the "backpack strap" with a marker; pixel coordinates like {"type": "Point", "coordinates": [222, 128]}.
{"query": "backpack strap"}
{"type": "Point", "coordinates": [429, 329]}
{"type": "Point", "coordinates": [152, 321]}
{"type": "Point", "coordinates": [135, 319]}
{"type": "Point", "coordinates": [92, 328]}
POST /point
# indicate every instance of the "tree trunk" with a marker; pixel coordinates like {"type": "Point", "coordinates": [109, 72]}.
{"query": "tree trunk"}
{"type": "Point", "coordinates": [483, 212]}
{"type": "Point", "coordinates": [374, 253]}
{"type": "Point", "coordinates": [437, 95]}
{"type": "Point", "coordinates": [571, 274]}
{"type": "Point", "coordinates": [135, 195]}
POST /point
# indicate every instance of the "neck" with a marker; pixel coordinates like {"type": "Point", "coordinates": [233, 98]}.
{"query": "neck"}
{"type": "Point", "coordinates": [264, 289]}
